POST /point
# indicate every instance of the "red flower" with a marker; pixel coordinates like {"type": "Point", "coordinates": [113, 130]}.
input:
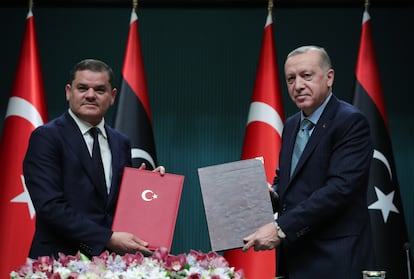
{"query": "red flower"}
{"type": "Point", "coordinates": [43, 264]}
{"type": "Point", "coordinates": [160, 254]}
{"type": "Point", "coordinates": [175, 263]}
{"type": "Point", "coordinates": [66, 259]}
{"type": "Point", "coordinates": [133, 260]}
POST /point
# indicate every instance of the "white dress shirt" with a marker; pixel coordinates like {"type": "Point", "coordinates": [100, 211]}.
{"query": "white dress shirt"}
{"type": "Point", "coordinates": [103, 143]}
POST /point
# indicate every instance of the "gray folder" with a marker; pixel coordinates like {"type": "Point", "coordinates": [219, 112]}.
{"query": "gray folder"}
{"type": "Point", "coordinates": [236, 201]}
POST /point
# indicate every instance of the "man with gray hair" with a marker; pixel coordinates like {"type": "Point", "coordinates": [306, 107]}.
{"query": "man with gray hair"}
{"type": "Point", "coordinates": [323, 228]}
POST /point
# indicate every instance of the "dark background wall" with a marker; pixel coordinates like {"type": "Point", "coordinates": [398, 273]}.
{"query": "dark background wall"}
{"type": "Point", "coordinates": [200, 63]}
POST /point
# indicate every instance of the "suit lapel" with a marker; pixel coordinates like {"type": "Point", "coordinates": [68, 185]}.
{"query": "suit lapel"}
{"type": "Point", "coordinates": [318, 132]}
{"type": "Point", "coordinates": [74, 140]}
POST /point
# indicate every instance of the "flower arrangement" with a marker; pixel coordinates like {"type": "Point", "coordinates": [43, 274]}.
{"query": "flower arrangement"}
{"type": "Point", "coordinates": [160, 265]}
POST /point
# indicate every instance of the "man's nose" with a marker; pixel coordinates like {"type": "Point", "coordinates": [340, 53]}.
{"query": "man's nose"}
{"type": "Point", "coordinates": [299, 84]}
{"type": "Point", "coordinates": [90, 92]}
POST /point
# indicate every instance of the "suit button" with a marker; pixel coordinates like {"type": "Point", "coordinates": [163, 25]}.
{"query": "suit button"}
{"type": "Point", "coordinates": [284, 208]}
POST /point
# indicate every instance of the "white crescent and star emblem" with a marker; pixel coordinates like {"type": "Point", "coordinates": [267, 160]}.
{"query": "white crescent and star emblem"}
{"type": "Point", "coordinates": [22, 108]}
{"type": "Point", "coordinates": [384, 201]}
{"type": "Point", "coordinates": [148, 195]}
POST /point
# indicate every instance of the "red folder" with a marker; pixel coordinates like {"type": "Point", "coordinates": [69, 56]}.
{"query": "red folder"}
{"type": "Point", "coordinates": [148, 205]}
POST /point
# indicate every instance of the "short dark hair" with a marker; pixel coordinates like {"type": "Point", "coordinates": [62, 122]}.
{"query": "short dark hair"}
{"type": "Point", "coordinates": [93, 65]}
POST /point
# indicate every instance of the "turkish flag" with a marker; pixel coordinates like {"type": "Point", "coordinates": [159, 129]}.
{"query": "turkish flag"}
{"type": "Point", "coordinates": [389, 232]}
{"type": "Point", "coordinates": [133, 116]}
{"type": "Point", "coordinates": [262, 139]}
{"type": "Point", "coordinates": [26, 110]}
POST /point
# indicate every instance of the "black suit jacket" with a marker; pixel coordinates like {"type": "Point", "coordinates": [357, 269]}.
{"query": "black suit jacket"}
{"type": "Point", "coordinates": [73, 212]}
{"type": "Point", "coordinates": [323, 206]}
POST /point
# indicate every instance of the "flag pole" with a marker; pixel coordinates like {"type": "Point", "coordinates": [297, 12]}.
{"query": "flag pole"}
{"type": "Point", "coordinates": [30, 5]}
{"type": "Point", "coordinates": [135, 5]}
{"type": "Point", "coordinates": [270, 6]}
{"type": "Point", "coordinates": [366, 5]}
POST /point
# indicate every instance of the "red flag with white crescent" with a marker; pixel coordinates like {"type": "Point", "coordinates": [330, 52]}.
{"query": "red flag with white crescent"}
{"type": "Point", "coordinates": [26, 110]}
{"type": "Point", "coordinates": [133, 116]}
{"type": "Point", "coordinates": [389, 232]}
{"type": "Point", "coordinates": [262, 139]}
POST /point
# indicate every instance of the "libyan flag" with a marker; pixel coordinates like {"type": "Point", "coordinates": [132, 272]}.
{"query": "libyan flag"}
{"type": "Point", "coordinates": [389, 233]}
{"type": "Point", "coordinates": [133, 116]}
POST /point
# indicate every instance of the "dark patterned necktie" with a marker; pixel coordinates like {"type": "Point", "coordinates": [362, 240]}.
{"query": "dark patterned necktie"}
{"type": "Point", "coordinates": [301, 140]}
{"type": "Point", "coordinates": [97, 158]}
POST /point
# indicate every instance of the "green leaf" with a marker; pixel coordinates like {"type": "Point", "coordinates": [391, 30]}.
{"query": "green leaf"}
{"type": "Point", "coordinates": [84, 258]}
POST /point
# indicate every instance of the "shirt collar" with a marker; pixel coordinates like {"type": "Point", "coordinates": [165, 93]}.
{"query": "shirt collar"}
{"type": "Point", "coordinates": [85, 126]}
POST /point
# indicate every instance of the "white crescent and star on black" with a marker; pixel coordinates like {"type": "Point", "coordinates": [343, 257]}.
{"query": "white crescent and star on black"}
{"type": "Point", "coordinates": [384, 202]}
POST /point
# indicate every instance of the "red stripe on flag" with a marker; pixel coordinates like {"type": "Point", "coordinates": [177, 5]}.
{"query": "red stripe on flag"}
{"type": "Point", "coordinates": [367, 72]}
{"type": "Point", "coordinates": [262, 138]}
{"type": "Point", "coordinates": [133, 68]}
{"type": "Point", "coordinates": [26, 110]}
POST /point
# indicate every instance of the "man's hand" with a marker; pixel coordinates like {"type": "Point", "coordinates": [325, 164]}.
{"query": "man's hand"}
{"type": "Point", "coordinates": [123, 242]}
{"type": "Point", "coordinates": [159, 169]}
{"type": "Point", "coordinates": [265, 238]}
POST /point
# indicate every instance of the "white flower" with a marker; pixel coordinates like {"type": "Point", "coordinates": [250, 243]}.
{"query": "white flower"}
{"type": "Point", "coordinates": [160, 265]}
{"type": "Point", "coordinates": [63, 271]}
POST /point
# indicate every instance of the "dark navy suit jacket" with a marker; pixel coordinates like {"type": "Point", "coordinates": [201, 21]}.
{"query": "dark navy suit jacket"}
{"type": "Point", "coordinates": [323, 206]}
{"type": "Point", "coordinates": [73, 212]}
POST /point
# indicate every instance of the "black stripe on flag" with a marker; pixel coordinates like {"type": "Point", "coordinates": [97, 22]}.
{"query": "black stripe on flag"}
{"type": "Point", "coordinates": [132, 120]}
{"type": "Point", "coordinates": [389, 233]}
